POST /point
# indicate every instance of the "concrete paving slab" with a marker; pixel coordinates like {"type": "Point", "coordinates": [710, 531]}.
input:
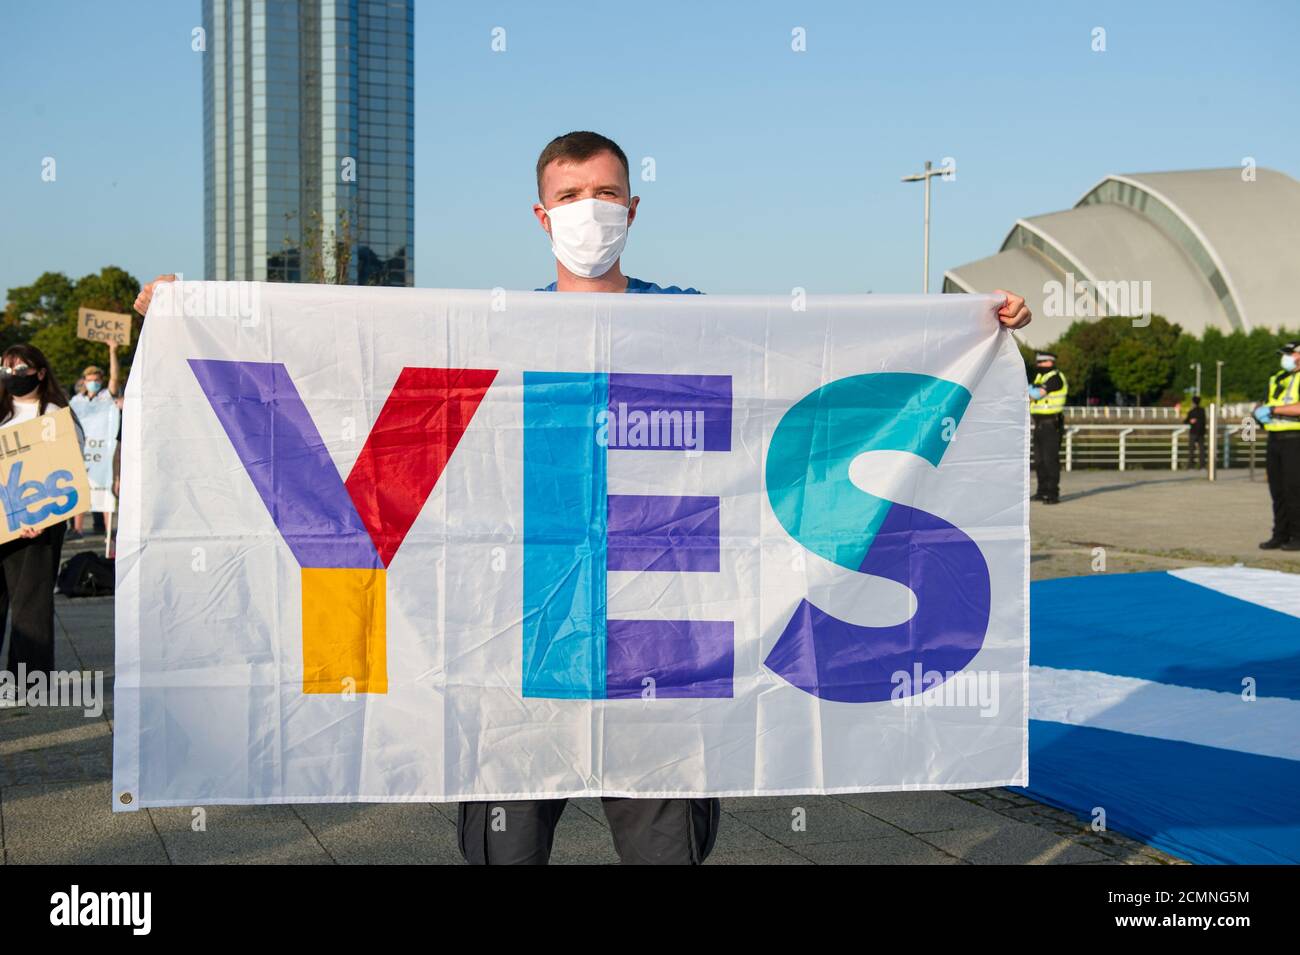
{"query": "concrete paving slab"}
{"type": "Point", "coordinates": [897, 849]}
{"type": "Point", "coordinates": [755, 803]}
{"type": "Point", "coordinates": [814, 820]}
{"type": "Point", "coordinates": [775, 855]}
{"type": "Point", "coordinates": [448, 810]}
{"type": "Point", "coordinates": [237, 834]}
{"type": "Point", "coordinates": [1113, 845]}
{"type": "Point", "coordinates": [1015, 843]}
{"type": "Point", "coordinates": [922, 811]}
{"type": "Point", "coordinates": [379, 833]}
{"type": "Point", "coordinates": [735, 833]}
{"type": "Point", "coordinates": [580, 840]}
{"type": "Point", "coordinates": [32, 727]}
{"type": "Point", "coordinates": [1154, 520]}
{"type": "Point", "coordinates": [591, 808]}
{"type": "Point", "coordinates": [71, 823]}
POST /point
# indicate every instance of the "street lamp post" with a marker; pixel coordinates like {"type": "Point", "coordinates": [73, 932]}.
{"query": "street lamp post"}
{"type": "Point", "coordinates": [1218, 382]}
{"type": "Point", "coordinates": [925, 177]}
{"type": "Point", "coordinates": [1197, 366]}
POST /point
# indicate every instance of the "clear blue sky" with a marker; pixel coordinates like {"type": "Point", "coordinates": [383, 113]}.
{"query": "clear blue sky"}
{"type": "Point", "coordinates": [775, 168]}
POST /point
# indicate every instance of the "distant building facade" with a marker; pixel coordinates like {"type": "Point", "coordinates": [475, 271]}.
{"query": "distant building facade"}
{"type": "Point", "coordinates": [1204, 248]}
{"type": "Point", "coordinates": [308, 135]}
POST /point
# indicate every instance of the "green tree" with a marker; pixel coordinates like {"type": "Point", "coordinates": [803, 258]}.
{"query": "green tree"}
{"type": "Point", "coordinates": [34, 306]}
{"type": "Point", "coordinates": [1027, 356]}
{"type": "Point", "coordinates": [1139, 367]}
{"type": "Point", "coordinates": [1082, 354]}
{"type": "Point", "coordinates": [1248, 361]}
{"type": "Point", "coordinates": [1088, 349]}
{"type": "Point", "coordinates": [45, 314]}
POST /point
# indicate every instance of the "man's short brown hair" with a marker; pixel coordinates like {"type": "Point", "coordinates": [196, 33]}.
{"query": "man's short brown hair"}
{"type": "Point", "coordinates": [577, 147]}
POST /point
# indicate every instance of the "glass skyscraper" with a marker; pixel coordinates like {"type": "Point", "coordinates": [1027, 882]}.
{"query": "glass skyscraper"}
{"type": "Point", "coordinates": [308, 136]}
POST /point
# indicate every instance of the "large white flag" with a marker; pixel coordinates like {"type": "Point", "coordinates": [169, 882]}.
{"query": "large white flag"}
{"type": "Point", "coordinates": [403, 545]}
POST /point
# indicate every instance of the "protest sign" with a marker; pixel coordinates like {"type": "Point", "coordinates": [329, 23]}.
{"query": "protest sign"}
{"type": "Point", "coordinates": [98, 326]}
{"type": "Point", "coordinates": [99, 419]}
{"type": "Point", "coordinates": [42, 473]}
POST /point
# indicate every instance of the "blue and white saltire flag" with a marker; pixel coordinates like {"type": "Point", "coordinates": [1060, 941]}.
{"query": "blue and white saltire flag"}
{"type": "Point", "coordinates": [385, 544]}
{"type": "Point", "coordinates": [1171, 702]}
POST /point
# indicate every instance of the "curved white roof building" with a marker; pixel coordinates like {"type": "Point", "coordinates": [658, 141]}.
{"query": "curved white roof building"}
{"type": "Point", "coordinates": [1204, 248]}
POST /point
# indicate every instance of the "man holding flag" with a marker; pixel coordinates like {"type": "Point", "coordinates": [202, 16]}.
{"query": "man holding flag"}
{"type": "Point", "coordinates": [585, 206]}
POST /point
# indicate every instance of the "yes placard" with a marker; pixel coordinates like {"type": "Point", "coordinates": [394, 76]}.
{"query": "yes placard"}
{"type": "Point", "coordinates": [42, 473]}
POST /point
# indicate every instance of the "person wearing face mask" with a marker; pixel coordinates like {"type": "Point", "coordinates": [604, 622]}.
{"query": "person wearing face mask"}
{"type": "Point", "coordinates": [92, 389]}
{"type": "Point", "coordinates": [29, 564]}
{"type": "Point", "coordinates": [585, 207]}
{"type": "Point", "coordinates": [1280, 416]}
{"type": "Point", "coordinates": [97, 389]}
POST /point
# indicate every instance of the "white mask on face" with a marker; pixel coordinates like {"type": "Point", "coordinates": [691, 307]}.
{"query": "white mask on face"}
{"type": "Point", "coordinates": [588, 236]}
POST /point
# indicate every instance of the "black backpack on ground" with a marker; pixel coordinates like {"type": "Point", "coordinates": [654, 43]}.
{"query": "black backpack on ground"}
{"type": "Point", "coordinates": [86, 575]}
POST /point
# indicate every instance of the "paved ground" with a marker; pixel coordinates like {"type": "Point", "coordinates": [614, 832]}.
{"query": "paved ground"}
{"type": "Point", "coordinates": [1154, 520]}
{"type": "Point", "coordinates": [55, 764]}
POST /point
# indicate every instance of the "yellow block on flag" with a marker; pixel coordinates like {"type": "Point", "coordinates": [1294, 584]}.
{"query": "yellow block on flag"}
{"type": "Point", "coordinates": [343, 630]}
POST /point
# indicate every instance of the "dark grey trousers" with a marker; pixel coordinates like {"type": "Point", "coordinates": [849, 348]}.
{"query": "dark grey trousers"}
{"type": "Point", "coordinates": [645, 831]}
{"type": "Point", "coordinates": [28, 568]}
{"type": "Point", "coordinates": [1283, 464]}
{"type": "Point", "coordinates": [1047, 453]}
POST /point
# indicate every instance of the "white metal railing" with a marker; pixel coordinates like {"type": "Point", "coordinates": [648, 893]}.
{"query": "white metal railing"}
{"type": "Point", "coordinates": [1128, 446]}
{"type": "Point", "coordinates": [1147, 413]}
{"type": "Point", "coordinates": [1173, 447]}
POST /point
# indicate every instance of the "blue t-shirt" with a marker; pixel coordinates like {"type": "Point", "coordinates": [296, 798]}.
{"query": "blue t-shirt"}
{"type": "Point", "coordinates": [649, 288]}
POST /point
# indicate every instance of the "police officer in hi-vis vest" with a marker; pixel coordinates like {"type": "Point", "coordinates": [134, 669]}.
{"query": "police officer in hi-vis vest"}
{"type": "Point", "coordinates": [1281, 419]}
{"type": "Point", "coordinates": [1046, 404]}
